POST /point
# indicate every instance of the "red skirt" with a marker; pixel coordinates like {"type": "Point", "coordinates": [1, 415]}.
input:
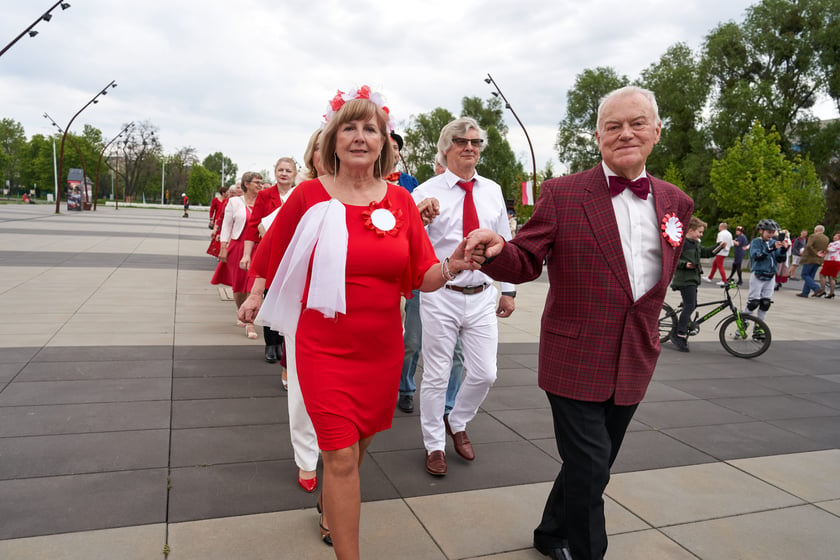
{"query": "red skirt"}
{"type": "Point", "coordinates": [229, 273]}
{"type": "Point", "coordinates": [830, 269]}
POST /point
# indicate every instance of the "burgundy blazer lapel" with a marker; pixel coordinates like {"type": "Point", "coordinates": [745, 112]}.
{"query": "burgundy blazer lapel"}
{"type": "Point", "coordinates": [666, 203]}
{"type": "Point", "coordinates": [597, 205]}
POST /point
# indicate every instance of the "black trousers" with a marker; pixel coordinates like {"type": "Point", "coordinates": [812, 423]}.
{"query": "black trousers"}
{"type": "Point", "coordinates": [589, 435]}
{"type": "Point", "coordinates": [736, 269]}
{"type": "Point", "coordinates": [689, 304]}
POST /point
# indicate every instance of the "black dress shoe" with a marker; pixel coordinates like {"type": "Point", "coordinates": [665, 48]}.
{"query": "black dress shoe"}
{"type": "Point", "coordinates": [271, 354]}
{"type": "Point", "coordinates": [406, 403]}
{"type": "Point", "coordinates": [559, 553]}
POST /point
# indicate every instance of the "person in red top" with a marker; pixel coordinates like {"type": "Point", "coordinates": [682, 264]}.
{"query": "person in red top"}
{"type": "Point", "coordinates": [344, 307]}
{"type": "Point", "coordinates": [216, 202]}
{"type": "Point", "coordinates": [267, 202]}
{"type": "Point", "coordinates": [216, 219]}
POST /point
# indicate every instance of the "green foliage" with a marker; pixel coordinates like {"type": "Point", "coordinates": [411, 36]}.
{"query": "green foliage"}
{"type": "Point", "coordinates": [201, 186]}
{"type": "Point", "coordinates": [576, 138]}
{"type": "Point", "coordinates": [674, 176]}
{"type": "Point", "coordinates": [756, 180]}
{"type": "Point", "coordinates": [421, 139]}
{"type": "Point", "coordinates": [213, 163]}
{"type": "Point", "coordinates": [12, 151]}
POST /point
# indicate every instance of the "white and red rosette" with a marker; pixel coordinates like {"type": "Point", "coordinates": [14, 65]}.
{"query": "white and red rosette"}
{"type": "Point", "coordinates": [672, 229]}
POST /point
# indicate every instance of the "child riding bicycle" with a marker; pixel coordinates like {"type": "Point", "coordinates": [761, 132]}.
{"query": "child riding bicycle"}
{"type": "Point", "coordinates": [766, 251]}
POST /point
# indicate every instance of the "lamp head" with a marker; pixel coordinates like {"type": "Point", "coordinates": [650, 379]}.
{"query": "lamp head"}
{"type": "Point", "coordinates": [46, 17]}
{"type": "Point", "coordinates": [487, 80]}
{"type": "Point", "coordinates": [33, 33]}
{"type": "Point", "coordinates": [64, 5]}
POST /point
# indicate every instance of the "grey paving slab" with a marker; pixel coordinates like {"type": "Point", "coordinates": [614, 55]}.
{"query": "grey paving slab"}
{"type": "Point", "coordinates": [227, 387]}
{"type": "Point", "coordinates": [68, 392]}
{"type": "Point", "coordinates": [252, 354]}
{"type": "Point", "coordinates": [230, 444]}
{"type": "Point", "coordinates": [18, 355]}
{"type": "Point", "coordinates": [496, 464]}
{"type": "Point", "coordinates": [531, 423]}
{"type": "Point", "coordinates": [673, 414]}
{"type": "Point", "coordinates": [25, 457]}
{"type": "Point", "coordinates": [645, 450]}
{"type": "Point", "coordinates": [61, 504]}
{"type": "Point", "coordinates": [9, 370]}
{"type": "Point", "coordinates": [515, 377]}
{"type": "Point", "coordinates": [659, 391]}
{"type": "Point", "coordinates": [797, 384]}
{"type": "Point", "coordinates": [810, 476]}
{"type": "Point", "coordinates": [825, 431]}
{"type": "Point", "coordinates": [777, 407]}
{"type": "Point", "coordinates": [225, 367]}
{"type": "Point", "coordinates": [72, 371]}
{"type": "Point", "coordinates": [229, 412]}
{"type": "Point", "coordinates": [751, 439]}
{"type": "Point", "coordinates": [102, 353]}
{"type": "Point", "coordinates": [827, 399]}
{"type": "Point", "coordinates": [513, 398]}
{"type": "Point", "coordinates": [716, 388]}
{"type": "Point", "coordinates": [80, 418]}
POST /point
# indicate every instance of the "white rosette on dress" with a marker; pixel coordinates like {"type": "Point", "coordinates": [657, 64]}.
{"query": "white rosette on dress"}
{"type": "Point", "coordinates": [323, 228]}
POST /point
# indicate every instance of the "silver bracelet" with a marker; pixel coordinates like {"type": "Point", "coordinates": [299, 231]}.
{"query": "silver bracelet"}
{"type": "Point", "coordinates": [447, 274]}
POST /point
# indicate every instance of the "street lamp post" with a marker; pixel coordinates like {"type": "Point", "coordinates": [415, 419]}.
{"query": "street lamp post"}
{"type": "Point", "coordinates": [498, 93]}
{"type": "Point", "coordinates": [47, 16]}
{"type": "Point", "coordinates": [94, 99]}
{"type": "Point", "coordinates": [99, 165]}
{"type": "Point", "coordinates": [78, 151]}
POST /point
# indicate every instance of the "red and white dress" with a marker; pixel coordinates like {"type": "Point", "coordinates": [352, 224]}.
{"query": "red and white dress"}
{"type": "Point", "coordinates": [233, 224]}
{"type": "Point", "coordinates": [349, 365]}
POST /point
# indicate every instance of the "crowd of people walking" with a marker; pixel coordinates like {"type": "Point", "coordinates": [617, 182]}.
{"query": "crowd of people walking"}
{"type": "Point", "coordinates": [355, 271]}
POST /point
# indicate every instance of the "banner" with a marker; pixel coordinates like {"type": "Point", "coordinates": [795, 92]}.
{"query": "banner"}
{"type": "Point", "coordinates": [527, 193]}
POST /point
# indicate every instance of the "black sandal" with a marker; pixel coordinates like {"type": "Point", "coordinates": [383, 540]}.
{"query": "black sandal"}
{"type": "Point", "coordinates": [325, 533]}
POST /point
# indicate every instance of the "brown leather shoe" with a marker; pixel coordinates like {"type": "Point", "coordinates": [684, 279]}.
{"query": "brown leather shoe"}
{"type": "Point", "coordinates": [463, 447]}
{"type": "Point", "coordinates": [436, 463]}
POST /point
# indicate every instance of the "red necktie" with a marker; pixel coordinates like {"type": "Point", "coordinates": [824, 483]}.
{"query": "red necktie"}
{"type": "Point", "coordinates": [470, 213]}
{"type": "Point", "coordinates": [640, 187]}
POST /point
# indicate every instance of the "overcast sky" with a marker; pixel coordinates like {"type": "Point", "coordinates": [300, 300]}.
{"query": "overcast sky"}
{"type": "Point", "coordinates": [251, 78]}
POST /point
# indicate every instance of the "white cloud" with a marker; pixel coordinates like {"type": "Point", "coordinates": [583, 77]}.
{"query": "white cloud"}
{"type": "Point", "coordinates": [252, 78]}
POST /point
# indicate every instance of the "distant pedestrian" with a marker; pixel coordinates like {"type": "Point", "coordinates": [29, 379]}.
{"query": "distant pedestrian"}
{"type": "Point", "coordinates": [740, 244]}
{"type": "Point", "coordinates": [796, 252]}
{"type": "Point", "coordinates": [186, 205]}
{"type": "Point", "coordinates": [722, 236]}
{"type": "Point", "coordinates": [831, 265]}
{"type": "Point", "coordinates": [812, 258]}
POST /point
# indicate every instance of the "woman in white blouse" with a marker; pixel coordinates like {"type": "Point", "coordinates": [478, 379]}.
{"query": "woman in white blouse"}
{"type": "Point", "coordinates": [228, 272]}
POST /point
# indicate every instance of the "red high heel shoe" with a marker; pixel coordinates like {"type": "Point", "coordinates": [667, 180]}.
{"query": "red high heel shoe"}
{"type": "Point", "coordinates": [308, 484]}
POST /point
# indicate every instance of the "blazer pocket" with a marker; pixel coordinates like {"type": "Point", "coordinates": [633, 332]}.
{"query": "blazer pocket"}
{"type": "Point", "coordinates": [569, 329]}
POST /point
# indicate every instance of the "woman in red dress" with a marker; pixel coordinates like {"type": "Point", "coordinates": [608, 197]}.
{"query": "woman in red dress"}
{"type": "Point", "coordinates": [216, 218]}
{"type": "Point", "coordinates": [269, 200]}
{"type": "Point", "coordinates": [342, 300]}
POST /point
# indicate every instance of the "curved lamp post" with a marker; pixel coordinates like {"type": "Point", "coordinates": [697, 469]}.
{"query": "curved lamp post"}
{"type": "Point", "coordinates": [78, 151]}
{"type": "Point", "coordinates": [99, 165]}
{"type": "Point", "coordinates": [46, 17]}
{"type": "Point", "coordinates": [498, 93]}
{"type": "Point", "coordinates": [95, 99]}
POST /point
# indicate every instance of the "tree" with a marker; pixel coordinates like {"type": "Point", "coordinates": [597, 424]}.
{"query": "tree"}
{"type": "Point", "coordinates": [498, 162]}
{"type": "Point", "coordinates": [756, 180]}
{"type": "Point", "coordinates": [421, 137]}
{"type": "Point", "coordinates": [39, 169]}
{"type": "Point", "coordinates": [214, 162]}
{"type": "Point", "coordinates": [139, 158]}
{"type": "Point", "coordinates": [12, 152]}
{"type": "Point", "coordinates": [202, 184]}
{"type": "Point", "coordinates": [177, 169]}
{"type": "Point", "coordinates": [575, 143]}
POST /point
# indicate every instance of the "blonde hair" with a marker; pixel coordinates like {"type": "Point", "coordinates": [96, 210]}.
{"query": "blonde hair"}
{"type": "Point", "coordinates": [309, 154]}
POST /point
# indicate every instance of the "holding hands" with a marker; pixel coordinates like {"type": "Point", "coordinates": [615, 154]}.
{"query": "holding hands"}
{"type": "Point", "coordinates": [482, 246]}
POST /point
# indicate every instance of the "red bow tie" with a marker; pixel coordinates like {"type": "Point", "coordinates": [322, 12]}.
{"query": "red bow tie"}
{"type": "Point", "coordinates": [640, 187]}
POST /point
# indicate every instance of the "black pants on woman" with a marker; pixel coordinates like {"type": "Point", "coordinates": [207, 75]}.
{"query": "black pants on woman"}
{"type": "Point", "coordinates": [273, 338]}
{"type": "Point", "coordinates": [589, 435]}
{"type": "Point", "coordinates": [736, 269]}
{"type": "Point", "coordinates": [689, 304]}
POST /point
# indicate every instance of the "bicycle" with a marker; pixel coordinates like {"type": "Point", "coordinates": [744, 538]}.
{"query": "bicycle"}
{"type": "Point", "coordinates": [733, 331]}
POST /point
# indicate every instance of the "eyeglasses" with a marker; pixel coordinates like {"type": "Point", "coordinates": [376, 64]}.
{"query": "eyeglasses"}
{"type": "Point", "coordinates": [256, 181]}
{"type": "Point", "coordinates": [461, 142]}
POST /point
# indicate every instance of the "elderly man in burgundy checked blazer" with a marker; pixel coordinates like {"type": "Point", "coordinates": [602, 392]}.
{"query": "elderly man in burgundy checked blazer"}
{"type": "Point", "coordinates": [618, 234]}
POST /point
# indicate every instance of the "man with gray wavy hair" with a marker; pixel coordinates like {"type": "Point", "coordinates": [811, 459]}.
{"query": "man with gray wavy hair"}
{"type": "Point", "coordinates": [466, 306]}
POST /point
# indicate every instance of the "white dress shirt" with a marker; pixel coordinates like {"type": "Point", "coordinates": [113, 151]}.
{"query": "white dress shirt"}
{"type": "Point", "coordinates": [446, 231]}
{"type": "Point", "coordinates": [726, 237]}
{"type": "Point", "coordinates": [640, 236]}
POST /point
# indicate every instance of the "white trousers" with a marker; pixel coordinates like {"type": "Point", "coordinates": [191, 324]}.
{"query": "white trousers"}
{"type": "Point", "coordinates": [304, 440]}
{"type": "Point", "coordinates": [447, 315]}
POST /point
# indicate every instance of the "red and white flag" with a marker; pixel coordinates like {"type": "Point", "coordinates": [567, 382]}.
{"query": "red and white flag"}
{"type": "Point", "coordinates": [527, 193]}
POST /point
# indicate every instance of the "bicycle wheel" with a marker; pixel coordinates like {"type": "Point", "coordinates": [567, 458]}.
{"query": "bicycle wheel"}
{"type": "Point", "coordinates": [747, 338]}
{"type": "Point", "coordinates": [667, 322]}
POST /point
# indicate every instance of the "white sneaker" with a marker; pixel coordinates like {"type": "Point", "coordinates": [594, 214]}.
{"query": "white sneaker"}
{"type": "Point", "coordinates": [707, 279]}
{"type": "Point", "coordinates": [721, 283]}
